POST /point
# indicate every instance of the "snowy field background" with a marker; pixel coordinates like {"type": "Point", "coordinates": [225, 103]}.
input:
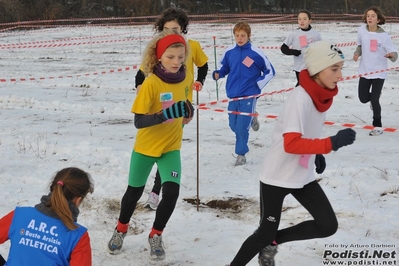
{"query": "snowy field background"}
{"type": "Point", "coordinates": [65, 99]}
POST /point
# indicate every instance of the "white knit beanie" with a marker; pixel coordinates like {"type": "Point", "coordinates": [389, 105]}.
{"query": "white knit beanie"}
{"type": "Point", "coordinates": [320, 55]}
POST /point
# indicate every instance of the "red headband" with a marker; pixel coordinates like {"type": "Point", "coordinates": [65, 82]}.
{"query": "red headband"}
{"type": "Point", "coordinates": [167, 41]}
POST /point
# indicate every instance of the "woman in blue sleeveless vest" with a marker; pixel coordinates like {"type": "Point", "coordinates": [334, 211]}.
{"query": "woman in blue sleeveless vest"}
{"type": "Point", "coordinates": [48, 234]}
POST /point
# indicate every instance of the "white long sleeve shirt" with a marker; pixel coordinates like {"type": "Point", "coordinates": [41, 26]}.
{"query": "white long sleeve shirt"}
{"type": "Point", "coordinates": [374, 46]}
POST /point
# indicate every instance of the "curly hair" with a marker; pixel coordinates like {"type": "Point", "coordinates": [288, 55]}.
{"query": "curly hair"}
{"type": "Point", "coordinates": [150, 59]}
{"type": "Point", "coordinates": [171, 14]}
{"type": "Point", "coordinates": [378, 11]}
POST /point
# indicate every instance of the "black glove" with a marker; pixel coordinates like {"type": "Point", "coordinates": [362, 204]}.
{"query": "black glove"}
{"type": "Point", "coordinates": [344, 137]}
{"type": "Point", "coordinates": [320, 163]}
{"type": "Point", "coordinates": [2, 261]}
{"type": "Point", "coordinates": [179, 109]}
{"type": "Point", "coordinates": [296, 52]}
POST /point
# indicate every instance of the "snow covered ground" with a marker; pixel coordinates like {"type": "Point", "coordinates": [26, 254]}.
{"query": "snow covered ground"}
{"type": "Point", "coordinates": [65, 99]}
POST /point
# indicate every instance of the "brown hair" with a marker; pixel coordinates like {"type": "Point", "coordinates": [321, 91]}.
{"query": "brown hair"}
{"type": "Point", "coordinates": [67, 185]}
{"type": "Point", "coordinates": [378, 11]}
{"type": "Point", "coordinates": [171, 14]}
{"type": "Point", "coordinates": [242, 25]}
{"type": "Point", "coordinates": [305, 12]}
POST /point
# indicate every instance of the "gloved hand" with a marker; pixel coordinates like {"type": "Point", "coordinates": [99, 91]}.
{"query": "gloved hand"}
{"type": "Point", "coordinates": [344, 137]}
{"type": "Point", "coordinates": [189, 108]}
{"type": "Point", "coordinates": [320, 163]}
{"type": "Point", "coordinates": [197, 86]}
{"type": "Point", "coordinates": [2, 261]}
{"type": "Point", "coordinates": [296, 52]}
{"type": "Point", "coordinates": [215, 75]}
{"type": "Point", "coordinates": [179, 109]}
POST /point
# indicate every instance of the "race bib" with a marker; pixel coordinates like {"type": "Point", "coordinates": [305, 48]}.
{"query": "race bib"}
{"type": "Point", "coordinates": [303, 41]}
{"type": "Point", "coordinates": [373, 45]}
{"type": "Point", "coordinates": [248, 61]}
{"type": "Point", "coordinates": [166, 100]}
{"type": "Point", "coordinates": [304, 160]}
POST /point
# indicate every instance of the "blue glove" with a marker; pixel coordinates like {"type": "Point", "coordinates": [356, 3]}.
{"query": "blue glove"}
{"type": "Point", "coordinates": [176, 110]}
{"type": "Point", "coordinates": [179, 109]}
{"type": "Point", "coordinates": [344, 137]}
{"type": "Point", "coordinates": [215, 72]}
{"type": "Point", "coordinates": [320, 163]}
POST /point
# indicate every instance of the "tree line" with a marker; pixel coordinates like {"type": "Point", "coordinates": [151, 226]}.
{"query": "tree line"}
{"type": "Point", "coordinates": [23, 10]}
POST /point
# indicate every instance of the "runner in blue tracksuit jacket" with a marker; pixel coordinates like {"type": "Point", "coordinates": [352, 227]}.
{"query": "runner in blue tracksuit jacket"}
{"type": "Point", "coordinates": [249, 71]}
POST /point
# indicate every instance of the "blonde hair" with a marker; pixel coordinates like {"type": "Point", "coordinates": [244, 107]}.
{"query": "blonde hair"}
{"type": "Point", "coordinates": [150, 59]}
{"type": "Point", "coordinates": [67, 185]}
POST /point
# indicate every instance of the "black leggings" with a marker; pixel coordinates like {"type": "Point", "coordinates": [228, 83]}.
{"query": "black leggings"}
{"type": "Point", "coordinates": [373, 96]}
{"type": "Point", "coordinates": [157, 183]}
{"type": "Point", "coordinates": [311, 197]}
{"type": "Point", "coordinates": [170, 194]}
{"type": "Point", "coordinates": [297, 78]}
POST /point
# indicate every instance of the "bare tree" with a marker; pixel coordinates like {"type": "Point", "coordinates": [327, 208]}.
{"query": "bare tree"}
{"type": "Point", "coordinates": [11, 10]}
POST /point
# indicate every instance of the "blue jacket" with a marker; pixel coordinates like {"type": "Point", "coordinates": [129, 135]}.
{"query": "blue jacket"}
{"type": "Point", "coordinates": [248, 68]}
{"type": "Point", "coordinates": [46, 240]}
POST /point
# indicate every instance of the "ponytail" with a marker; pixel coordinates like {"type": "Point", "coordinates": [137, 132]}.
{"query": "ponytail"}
{"type": "Point", "coordinates": [68, 185]}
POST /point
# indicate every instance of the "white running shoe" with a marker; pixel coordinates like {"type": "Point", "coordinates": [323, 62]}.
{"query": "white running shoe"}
{"type": "Point", "coordinates": [266, 256]}
{"type": "Point", "coordinates": [157, 251]}
{"type": "Point", "coordinates": [152, 201]}
{"type": "Point", "coordinates": [255, 123]}
{"type": "Point", "coordinates": [375, 132]}
{"type": "Point", "coordinates": [240, 160]}
{"type": "Point", "coordinates": [116, 242]}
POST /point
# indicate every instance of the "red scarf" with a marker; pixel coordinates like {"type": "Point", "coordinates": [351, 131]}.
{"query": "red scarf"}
{"type": "Point", "coordinates": [322, 97]}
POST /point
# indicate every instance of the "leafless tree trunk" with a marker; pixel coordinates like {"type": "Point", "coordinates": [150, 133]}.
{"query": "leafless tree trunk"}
{"type": "Point", "coordinates": [14, 10]}
{"type": "Point", "coordinates": [10, 10]}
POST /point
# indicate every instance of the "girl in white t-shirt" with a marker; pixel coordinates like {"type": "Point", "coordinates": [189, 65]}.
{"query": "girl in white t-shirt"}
{"type": "Point", "coordinates": [374, 47]}
{"type": "Point", "coordinates": [299, 39]}
{"type": "Point", "coordinates": [297, 146]}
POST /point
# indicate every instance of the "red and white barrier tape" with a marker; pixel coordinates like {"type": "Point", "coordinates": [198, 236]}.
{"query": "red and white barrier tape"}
{"type": "Point", "coordinates": [329, 123]}
{"type": "Point", "coordinates": [70, 44]}
{"type": "Point", "coordinates": [344, 44]}
{"type": "Point", "coordinates": [245, 97]}
{"type": "Point", "coordinates": [289, 89]}
{"type": "Point", "coordinates": [2, 80]}
{"type": "Point", "coordinates": [15, 45]}
{"type": "Point", "coordinates": [37, 44]}
{"type": "Point", "coordinates": [70, 76]}
{"type": "Point", "coordinates": [369, 73]}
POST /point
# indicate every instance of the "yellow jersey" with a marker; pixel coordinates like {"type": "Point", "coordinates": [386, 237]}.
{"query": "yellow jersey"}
{"type": "Point", "coordinates": [154, 96]}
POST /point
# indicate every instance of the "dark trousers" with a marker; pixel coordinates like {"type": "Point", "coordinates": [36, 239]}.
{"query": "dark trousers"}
{"type": "Point", "coordinates": [311, 197]}
{"type": "Point", "coordinates": [369, 90]}
{"type": "Point", "coordinates": [157, 183]}
{"type": "Point", "coordinates": [297, 78]}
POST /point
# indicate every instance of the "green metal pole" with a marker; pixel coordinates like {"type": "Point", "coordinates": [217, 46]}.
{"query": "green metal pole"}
{"type": "Point", "coordinates": [216, 67]}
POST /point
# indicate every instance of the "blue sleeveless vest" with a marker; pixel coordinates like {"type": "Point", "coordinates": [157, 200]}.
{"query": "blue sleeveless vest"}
{"type": "Point", "coordinates": [37, 239]}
